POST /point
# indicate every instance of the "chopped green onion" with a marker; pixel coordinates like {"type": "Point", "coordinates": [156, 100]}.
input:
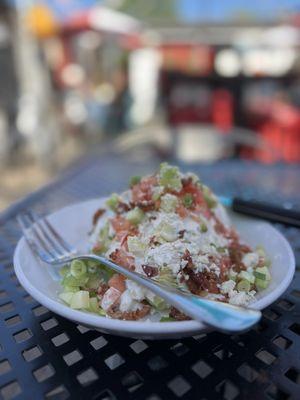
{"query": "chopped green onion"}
{"type": "Point", "coordinates": [78, 268]}
{"type": "Point", "coordinates": [169, 177]}
{"type": "Point", "coordinates": [260, 251]}
{"type": "Point", "coordinates": [246, 276]}
{"type": "Point", "coordinates": [167, 319]}
{"type": "Point", "coordinates": [135, 216]}
{"type": "Point", "coordinates": [71, 289]}
{"type": "Point", "coordinates": [94, 281]}
{"type": "Point", "coordinates": [166, 277]}
{"type": "Point", "coordinates": [264, 271]}
{"type": "Point", "coordinates": [157, 191]}
{"type": "Point", "coordinates": [135, 246]}
{"type": "Point", "coordinates": [208, 196]}
{"type": "Point", "coordinates": [243, 286]}
{"type": "Point", "coordinates": [261, 284]}
{"type": "Point", "coordinates": [259, 275]}
{"type": "Point", "coordinates": [94, 305]}
{"type": "Point", "coordinates": [113, 201]}
{"type": "Point", "coordinates": [167, 232]}
{"type": "Point", "coordinates": [104, 232]}
{"type": "Point", "coordinates": [159, 303]}
{"type": "Point", "coordinates": [134, 180]}
{"type": "Point", "coordinates": [92, 266]}
{"type": "Point", "coordinates": [70, 280]}
{"type": "Point", "coordinates": [64, 270]}
{"type": "Point", "coordinates": [66, 297]}
{"type": "Point", "coordinates": [80, 300]}
{"type": "Point", "coordinates": [188, 200]}
{"type": "Point", "coordinates": [232, 275]}
{"type": "Point", "coordinates": [203, 227]}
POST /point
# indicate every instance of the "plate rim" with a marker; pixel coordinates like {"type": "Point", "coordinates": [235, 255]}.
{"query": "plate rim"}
{"type": "Point", "coordinates": [138, 327]}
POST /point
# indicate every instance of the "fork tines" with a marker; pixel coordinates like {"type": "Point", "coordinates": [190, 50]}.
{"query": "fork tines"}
{"type": "Point", "coordinates": [43, 239]}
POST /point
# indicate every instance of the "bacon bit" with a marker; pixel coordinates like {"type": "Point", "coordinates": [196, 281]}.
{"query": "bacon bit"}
{"type": "Point", "coordinates": [98, 248]}
{"type": "Point", "coordinates": [120, 257]}
{"type": "Point", "coordinates": [206, 280]}
{"type": "Point", "coordinates": [102, 289]}
{"type": "Point", "coordinates": [178, 315]}
{"type": "Point", "coordinates": [186, 181]}
{"type": "Point", "coordinates": [150, 271]}
{"type": "Point", "coordinates": [98, 214]}
{"type": "Point", "coordinates": [153, 241]}
{"type": "Point", "coordinates": [117, 281]}
{"type": "Point", "coordinates": [124, 242]}
{"type": "Point", "coordinates": [115, 313]}
{"type": "Point", "coordinates": [220, 228]}
{"type": "Point", "coordinates": [146, 205]}
{"type": "Point", "coordinates": [187, 257]}
{"type": "Point", "coordinates": [142, 192]}
{"type": "Point", "coordinates": [181, 234]}
{"type": "Point", "coordinates": [182, 211]}
{"type": "Point", "coordinates": [122, 207]}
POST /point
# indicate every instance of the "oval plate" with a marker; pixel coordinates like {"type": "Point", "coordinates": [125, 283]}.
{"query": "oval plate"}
{"type": "Point", "coordinates": [41, 281]}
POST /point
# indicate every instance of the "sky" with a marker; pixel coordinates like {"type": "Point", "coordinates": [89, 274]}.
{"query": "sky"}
{"type": "Point", "coordinates": [218, 10]}
{"type": "Point", "coordinates": [189, 10]}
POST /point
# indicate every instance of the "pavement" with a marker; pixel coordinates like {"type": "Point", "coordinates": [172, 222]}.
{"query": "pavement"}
{"type": "Point", "coordinates": [24, 174]}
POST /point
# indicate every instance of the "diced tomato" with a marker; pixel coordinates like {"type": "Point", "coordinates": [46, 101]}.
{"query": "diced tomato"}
{"type": "Point", "coordinates": [143, 191]}
{"type": "Point", "coordinates": [195, 191]}
{"type": "Point", "coordinates": [199, 204]}
{"type": "Point", "coordinates": [120, 224]}
{"type": "Point", "coordinates": [182, 211]}
{"type": "Point", "coordinates": [205, 211]}
{"type": "Point", "coordinates": [111, 296]}
{"type": "Point", "coordinates": [123, 228]}
{"type": "Point", "coordinates": [117, 281]}
{"type": "Point", "coordinates": [121, 257]}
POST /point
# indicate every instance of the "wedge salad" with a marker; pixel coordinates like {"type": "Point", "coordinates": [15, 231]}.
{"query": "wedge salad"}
{"type": "Point", "coordinates": [170, 227]}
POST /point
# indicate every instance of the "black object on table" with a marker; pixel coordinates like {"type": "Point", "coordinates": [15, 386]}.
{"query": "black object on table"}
{"type": "Point", "coordinates": [43, 355]}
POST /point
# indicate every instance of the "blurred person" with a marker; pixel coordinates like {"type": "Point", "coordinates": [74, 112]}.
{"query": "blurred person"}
{"type": "Point", "coordinates": [118, 118]}
{"type": "Point", "coordinates": [8, 83]}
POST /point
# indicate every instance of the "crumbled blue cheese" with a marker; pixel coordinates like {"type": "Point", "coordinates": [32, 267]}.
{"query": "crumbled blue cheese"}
{"type": "Point", "coordinates": [127, 303]}
{"type": "Point", "coordinates": [138, 292]}
{"type": "Point", "coordinates": [168, 203]}
{"type": "Point", "coordinates": [156, 192]}
{"type": "Point", "coordinates": [227, 286]}
{"type": "Point", "coordinates": [165, 255]}
{"type": "Point", "coordinates": [241, 298]}
{"type": "Point", "coordinates": [110, 297]}
{"type": "Point", "coordinates": [235, 297]}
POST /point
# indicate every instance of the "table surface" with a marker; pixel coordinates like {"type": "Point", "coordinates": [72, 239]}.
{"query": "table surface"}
{"type": "Point", "coordinates": [43, 355]}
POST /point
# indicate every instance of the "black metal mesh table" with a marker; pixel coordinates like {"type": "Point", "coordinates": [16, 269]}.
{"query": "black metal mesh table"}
{"type": "Point", "coordinates": [43, 355]}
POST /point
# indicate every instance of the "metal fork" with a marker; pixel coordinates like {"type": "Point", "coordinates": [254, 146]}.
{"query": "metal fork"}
{"type": "Point", "coordinates": [50, 247]}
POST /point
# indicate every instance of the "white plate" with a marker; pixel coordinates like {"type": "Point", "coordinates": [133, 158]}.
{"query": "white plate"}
{"type": "Point", "coordinates": [74, 222]}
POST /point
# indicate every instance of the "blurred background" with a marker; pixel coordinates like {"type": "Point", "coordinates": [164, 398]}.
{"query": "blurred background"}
{"type": "Point", "coordinates": [193, 80]}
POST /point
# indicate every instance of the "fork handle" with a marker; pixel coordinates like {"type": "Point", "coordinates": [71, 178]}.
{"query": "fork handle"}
{"type": "Point", "coordinates": [222, 316]}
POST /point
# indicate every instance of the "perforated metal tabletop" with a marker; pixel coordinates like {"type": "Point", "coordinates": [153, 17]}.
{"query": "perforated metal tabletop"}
{"type": "Point", "coordinates": [43, 355]}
